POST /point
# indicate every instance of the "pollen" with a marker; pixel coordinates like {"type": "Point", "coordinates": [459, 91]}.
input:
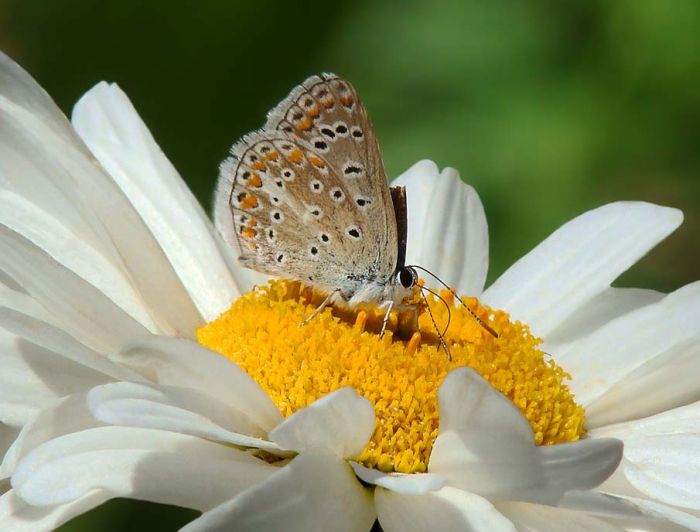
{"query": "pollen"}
{"type": "Point", "coordinates": [399, 373]}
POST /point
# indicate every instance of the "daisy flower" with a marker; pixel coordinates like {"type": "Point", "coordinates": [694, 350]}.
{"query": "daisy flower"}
{"type": "Point", "coordinates": [138, 360]}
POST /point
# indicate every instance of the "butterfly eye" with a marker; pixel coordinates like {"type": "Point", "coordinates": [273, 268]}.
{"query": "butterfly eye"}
{"type": "Point", "coordinates": [407, 277]}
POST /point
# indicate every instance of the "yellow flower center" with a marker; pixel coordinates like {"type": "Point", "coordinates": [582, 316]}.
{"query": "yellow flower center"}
{"type": "Point", "coordinates": [298, 365]}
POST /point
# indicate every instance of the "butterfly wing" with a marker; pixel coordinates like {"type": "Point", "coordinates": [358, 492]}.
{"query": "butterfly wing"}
{"type": "Point", "coordinates": [307, 198]}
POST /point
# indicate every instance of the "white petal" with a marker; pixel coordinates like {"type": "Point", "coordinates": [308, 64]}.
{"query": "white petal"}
{"type": "Point", "coordinates": [341, 423]}
{"type": "Point", "coordinates": [144, 464]}
{"type": "Point", "coordinates": [447, 510]}
{"type": "Point", "coordinates": [399, 482]}
{"type": "Point", "coordinates": [447, 229]}
{"type": "Point", "coordinates": [18, 300]}
{"type": "Point", "coordinates": [8, 434]}
{"type": "Point", "coordinates": [51, 337]}
{"type": "Point", "coordinates": [110, 126]}
{"type": "Point", "coordinates": [539, 518]}
{"type": "Point", "coordinates": [22, 393]}
{"type": "Point", "coordinates": [47, 164]}
{"type": "Point", "coordinates": [83, 311]}
{"type": "Point", "coordinates": [608, 356]}
{"type": "Point", "coordinates": [67, 415]}
{"type": "Point", "coordinates": [631, 511]}
{"type": "Point", "coordinates": [18, 516]}
{"type": "Point", "coordinates": [578, 261]}
{"type": "Point", "coordinates": [176, 409]}
{"type": "Point", "coordinates": [672, 375]}
{"type": "Point", "coordinates": [183, 363]}
{"type": "Point", "coordinates": [580, 465]}
{"type": "Point", "coordinates": [33, 378]}
{"type": "Point", "coordinates": [485, 445]}
{"type": "Point", "coordinates": [72, 250]}
{"type": "Point", "coordinates": [662, 455]}
{"type": "Point", "coordinates": [315, 491]}
{"type": "Point", "coordinates": [607, 306]}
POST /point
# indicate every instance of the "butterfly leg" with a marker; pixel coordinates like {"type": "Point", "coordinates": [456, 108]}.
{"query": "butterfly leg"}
{"type": "Point", "coordinates": [320, 308]}
{"type": "Point", "coordinates": [389, 305]}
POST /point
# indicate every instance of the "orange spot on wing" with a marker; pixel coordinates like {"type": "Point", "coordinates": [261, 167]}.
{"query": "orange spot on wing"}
{"type": "Point", "coordinates": [306, 124]}
{"type": "Point", "coordinates": [346, 100]}
{"type": "Point", "coordinates": [249, 202]}
{"type": "Point", "coordinates": [272, 156]}
{"type": "Point", "coordinates": [318, 163]}
{"type": "Point", "coordinates": [249, 233]}
{"type": "Point", "coordinates": [296, 156]}
{"type": "Point", "coordinates": [251, 223]}
{"type": "Point", "coordinates": [258, 165]}
{"type": "Point", "coordinates": [327, 103]}
{"type": "Point", "coordinates": [314, 111]}
{"type": "Point", "coordinates": [254, 182]}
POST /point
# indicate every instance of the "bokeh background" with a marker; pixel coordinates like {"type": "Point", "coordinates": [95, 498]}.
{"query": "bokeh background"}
{"type": "Point", "coordinates": [549, 108]}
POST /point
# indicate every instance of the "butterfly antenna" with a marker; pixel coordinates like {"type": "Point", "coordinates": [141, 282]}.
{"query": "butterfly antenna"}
{"type": "Point", "coordinates": [443, 344]}
{"type": "Point", "coordinates": [477, 318]}
{"type": "Point", "coordinates": [447, 306]}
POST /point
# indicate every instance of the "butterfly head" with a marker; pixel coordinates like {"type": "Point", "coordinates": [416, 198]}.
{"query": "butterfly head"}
{"type": "Point", "coordinates": [407, 277]}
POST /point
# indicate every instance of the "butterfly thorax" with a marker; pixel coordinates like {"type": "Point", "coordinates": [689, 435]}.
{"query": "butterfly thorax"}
{"type": "Point", "coordinates": [360, 292]}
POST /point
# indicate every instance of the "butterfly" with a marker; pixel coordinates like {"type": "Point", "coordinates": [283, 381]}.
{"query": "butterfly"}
{"type": "Point", "coordinates": [306, 197]}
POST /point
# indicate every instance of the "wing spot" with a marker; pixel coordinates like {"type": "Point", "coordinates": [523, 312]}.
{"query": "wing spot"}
{"type": "Point", "coordinates": [247, 202]}
{"type": "Point", "coordinates": [288, 174]}
{"type": "Point", "coordinates": [254, 182]}
{"type": "Point", "coordinates": [248, 233]}
{"type": "Point", "coordinates": [277, 217]}
{"type": "Point", "coordinates": [328, 132]}
{"type": "Point", "coordinates": [271, 235]}
{"type": "Point", "coordinates": [316, 186]}
{"type": "Point", "coordinates": [280, 258]}
{"type": "Point", "coordinates": [315, 211]}
{"type": "Point", "coordinates": [324, 238]}
{"type": "Point", "coordinates": [353, 169]}
{"type": "Point", "coordinates": [320, 144]}
{"type": "Point", "coordinates": [318, 163]}
{"type": "Point", "coordinates": [357, 134]}
{"type": "Point", "coordinates": [363, 201]}
{"type": "Point", "coordinates": [279, 183]}
{"type": "Point", "coordinates": [306, 124]}
{"type": "Point", "coordinates": [348, 101]}
{"type": "Point", "coordinates": [354, 232]}
{"type": "Point", "coordinates": [296, 156]}
{"type": "Point", "coordinates": [337, 195]}
{"type": "Point", "coordinates": [313, 250]}
{"type": "Point", "coordinates": [341, 128]}
{"type": "Point", "coordinates": [275, 200]}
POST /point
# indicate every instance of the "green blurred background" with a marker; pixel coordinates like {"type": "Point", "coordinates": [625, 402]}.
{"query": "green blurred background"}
{"type": "Point", "coordinates": [548, 108]}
